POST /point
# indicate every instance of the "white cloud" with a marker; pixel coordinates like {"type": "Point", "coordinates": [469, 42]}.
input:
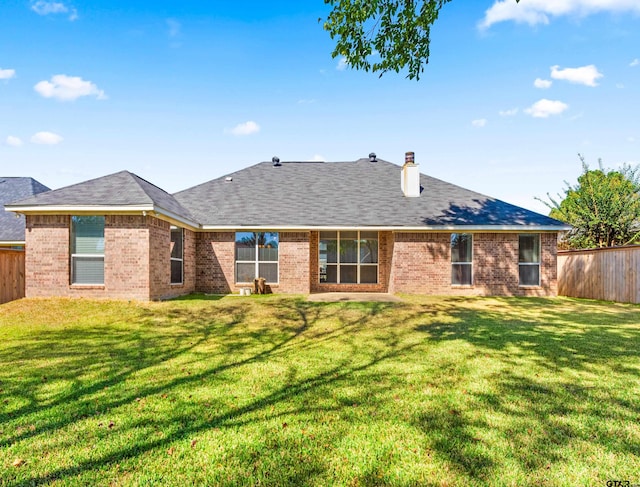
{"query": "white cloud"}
{"type": "Point", "coordinates": [620, 86]}
{"type": "Point", "coordinates": [68, 88]}
{"type": "Point", "coordinates": [246, 128]}
{"type": "Point", "coordinates": [7, 73]}
{"type": "Point", "coordinates": [174, 27]}
{"type": "Point", "coordinates": [543, 84]}
{"type": "Point", "coordinates": [481, 122]}
{"type": "Point", "coordinates": [535, 12]}
{"type": "Point", "coordinates": [14, 141]}
{"type": "Point", "coordinates": [318, 158]}
{"type": "Point", "coordinates": [585, 75]}
{"type": "Point", "coordinates": [342, 64]}
{"type": "Point", "coordinates": [508, 113]}
{"type": "Point", "coordinates": [46, 138]}
{"type": "Point", "coordinates": [43, 7]}
{"type": "Point", "coordinates": [631, 139]}
{"type": "Point", "coordinates": [545, 108]}
{"type": "Point", "coordinates": [634, 63]}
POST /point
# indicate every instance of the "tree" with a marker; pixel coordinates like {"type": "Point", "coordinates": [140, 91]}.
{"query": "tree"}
{"type": "Point", "coordinates": [603, 207]}
{"type": "Point", "coordinates": [396, 31]}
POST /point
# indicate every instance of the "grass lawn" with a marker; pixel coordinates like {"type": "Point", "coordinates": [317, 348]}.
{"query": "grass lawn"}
{"type": "Point", "coordinates": [273, 390]}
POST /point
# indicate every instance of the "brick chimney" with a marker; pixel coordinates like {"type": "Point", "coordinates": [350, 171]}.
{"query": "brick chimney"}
{"type": "Point", "coordinates": [410, 178]}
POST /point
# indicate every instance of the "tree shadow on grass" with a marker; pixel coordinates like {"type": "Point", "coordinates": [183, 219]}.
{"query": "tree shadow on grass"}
{"type": "Point", "coordinates": [161, 338]}
{"type": "Point", "coordinates": [214, 340]}
{"type": "Point", "coordinates": [554, 371]}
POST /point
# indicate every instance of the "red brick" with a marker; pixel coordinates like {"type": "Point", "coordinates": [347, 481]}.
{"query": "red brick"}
{"type": "Point", "coordinates": [137, 262]}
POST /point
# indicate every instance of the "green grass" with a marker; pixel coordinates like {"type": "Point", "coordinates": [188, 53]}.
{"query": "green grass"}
{"type": "Point", "coordinates": [279, 391]}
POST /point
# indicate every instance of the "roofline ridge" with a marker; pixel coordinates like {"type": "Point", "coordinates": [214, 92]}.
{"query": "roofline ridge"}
{"type": "Point", "coordinates": [148, 182]}
{"type": "Point", "coordinates": [88, 181]}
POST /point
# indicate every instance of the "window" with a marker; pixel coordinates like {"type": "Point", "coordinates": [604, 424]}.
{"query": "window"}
{"type": "Point", "coordinates": [177, 255]}
{"type": "Point", "coordinates": [256, 256]}
{"type": "Point", "coordinates": [348, 257]}
{"type": "Point", "coordinates": [87, 250]}
{"type": "Point", "coordinates": [461, 259]}
{"type": "Point", "coordinates": [529, 260]}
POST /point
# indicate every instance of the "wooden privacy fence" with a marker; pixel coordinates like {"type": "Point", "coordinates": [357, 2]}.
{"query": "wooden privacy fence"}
{"type": "Point", "coordinates": [609, 274]}
{"type": "Point", "coordinates": [11, 275]}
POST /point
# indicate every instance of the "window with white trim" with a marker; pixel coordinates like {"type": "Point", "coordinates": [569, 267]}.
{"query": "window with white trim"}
{"type": "Point", "coordinates": [529, 259]}
{"type": "Point", "coordinates": [87, 250]}
{"type": "Point", "coordinates": [177, 255]}
{"type": "Point", "coordinates": [256, 256]}
{"type": "Point", "coordinates": [461, 259]}
{"type": "Point", "coordinates": [348, 257]}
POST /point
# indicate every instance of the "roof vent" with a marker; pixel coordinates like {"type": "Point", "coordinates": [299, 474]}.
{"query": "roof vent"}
{"type": "Point", "coordinates": [276, 161]}
{"type": "Point", "coordinates": [228, 179]}
{"type": "Point", "coordinates": [372, 157]}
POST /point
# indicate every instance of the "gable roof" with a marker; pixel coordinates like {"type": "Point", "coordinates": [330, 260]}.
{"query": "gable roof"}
{"type": "Point", "coordinates": [348, 194]}
{"type": "Point", "coordinates": [121, 191]}
{"type": "Point", "coordinates": [13, 188]}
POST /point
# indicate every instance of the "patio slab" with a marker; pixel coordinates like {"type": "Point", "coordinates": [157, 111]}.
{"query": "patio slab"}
{"type": "Point", "coordinates": [362, 297]}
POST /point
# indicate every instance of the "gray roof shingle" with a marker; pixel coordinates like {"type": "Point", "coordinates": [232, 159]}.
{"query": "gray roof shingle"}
{"type": "Point", "coordinates": [12, 188]}
{"type": "Point", "coordinates": [119, 190]}
{"type": "Point", "coordinates": [337, 194]}
{"type": "Point", "coordinates": [305, 195]}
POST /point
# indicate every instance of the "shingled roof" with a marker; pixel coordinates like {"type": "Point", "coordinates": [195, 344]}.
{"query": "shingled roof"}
{"type": "Point", "coordinates": [11, 189]}
{"type": "Point", "coordinates": [120, 191]}
{"type": "Point", "coordinates": [347, 194]}
{"type": "Point", "coordinates": [300, 195]}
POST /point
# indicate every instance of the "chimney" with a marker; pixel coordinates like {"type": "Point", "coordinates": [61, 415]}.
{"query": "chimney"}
{"type": "Point", "coordinates": [410, 180]}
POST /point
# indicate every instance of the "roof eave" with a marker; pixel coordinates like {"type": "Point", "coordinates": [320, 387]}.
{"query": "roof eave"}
{"type": "Point", "coordinates": [151, 209]}
{"type": "Point", "coordinates": [396, 228]}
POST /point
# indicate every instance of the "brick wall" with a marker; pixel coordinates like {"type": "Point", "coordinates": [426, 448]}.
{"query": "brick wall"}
{"type": "Point", "coordinates": [294, 269]}
{"type": "Point", "coordinates": [422, 265]}
{"type": "Point", "coordinates": [126, 265]}
{"type": "Point", "coordinates": [215, 262]}
{"type": "Point", "coordinates": [160, 262]}
{"type": "Point", "coordinates": [136, 259]}
{"type": "Point", "coordinates": [47, 258]}
{"type": "Point", "coordinates": [137, 262]}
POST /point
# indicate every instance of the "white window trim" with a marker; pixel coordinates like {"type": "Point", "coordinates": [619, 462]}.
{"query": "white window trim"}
{"type": "Point", "coordinates": [357, 263]}
{"type": "Point", "coordinates": [470, 263]}
{"type": "Point", "coordinates": [176, 259]}
{"type": "Point", "coordinates": [256, 271]}
{"type": "Point", "coordinates": [539, 263]}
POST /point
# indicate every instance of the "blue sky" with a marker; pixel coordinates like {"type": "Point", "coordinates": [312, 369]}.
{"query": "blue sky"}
{"type": "Point", "coordinates": [180, 92]}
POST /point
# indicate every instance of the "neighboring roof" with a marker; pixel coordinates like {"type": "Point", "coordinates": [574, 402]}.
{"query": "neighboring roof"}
{"type": "Point", "coordinates": [120, 192]}
{"type": "Point", "coordinates": [347, 194]}
{"type": "Point", "coordinates": [11, 188]}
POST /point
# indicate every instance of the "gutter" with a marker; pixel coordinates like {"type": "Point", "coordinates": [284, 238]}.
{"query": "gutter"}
{"type": "Point", "coordinates": [177, 219]}
{"type": "Point", "coordinates": [396, 229]}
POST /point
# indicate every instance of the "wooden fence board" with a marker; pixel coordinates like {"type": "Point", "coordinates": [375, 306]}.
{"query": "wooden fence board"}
{"type": "Point", "coordinates": [608, 274]}
{"type": "Point", "coordinates": [11, 275]}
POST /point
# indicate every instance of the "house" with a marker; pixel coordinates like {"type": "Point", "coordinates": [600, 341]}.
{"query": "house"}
{"type": "Point", "coordinates": [12, 224]}
{"type": "Point", "coordinates": [367, 225]}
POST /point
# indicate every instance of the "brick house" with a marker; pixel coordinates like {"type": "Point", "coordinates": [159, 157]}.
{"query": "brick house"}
{"type": "Point", "coordinates": [306, 227]}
